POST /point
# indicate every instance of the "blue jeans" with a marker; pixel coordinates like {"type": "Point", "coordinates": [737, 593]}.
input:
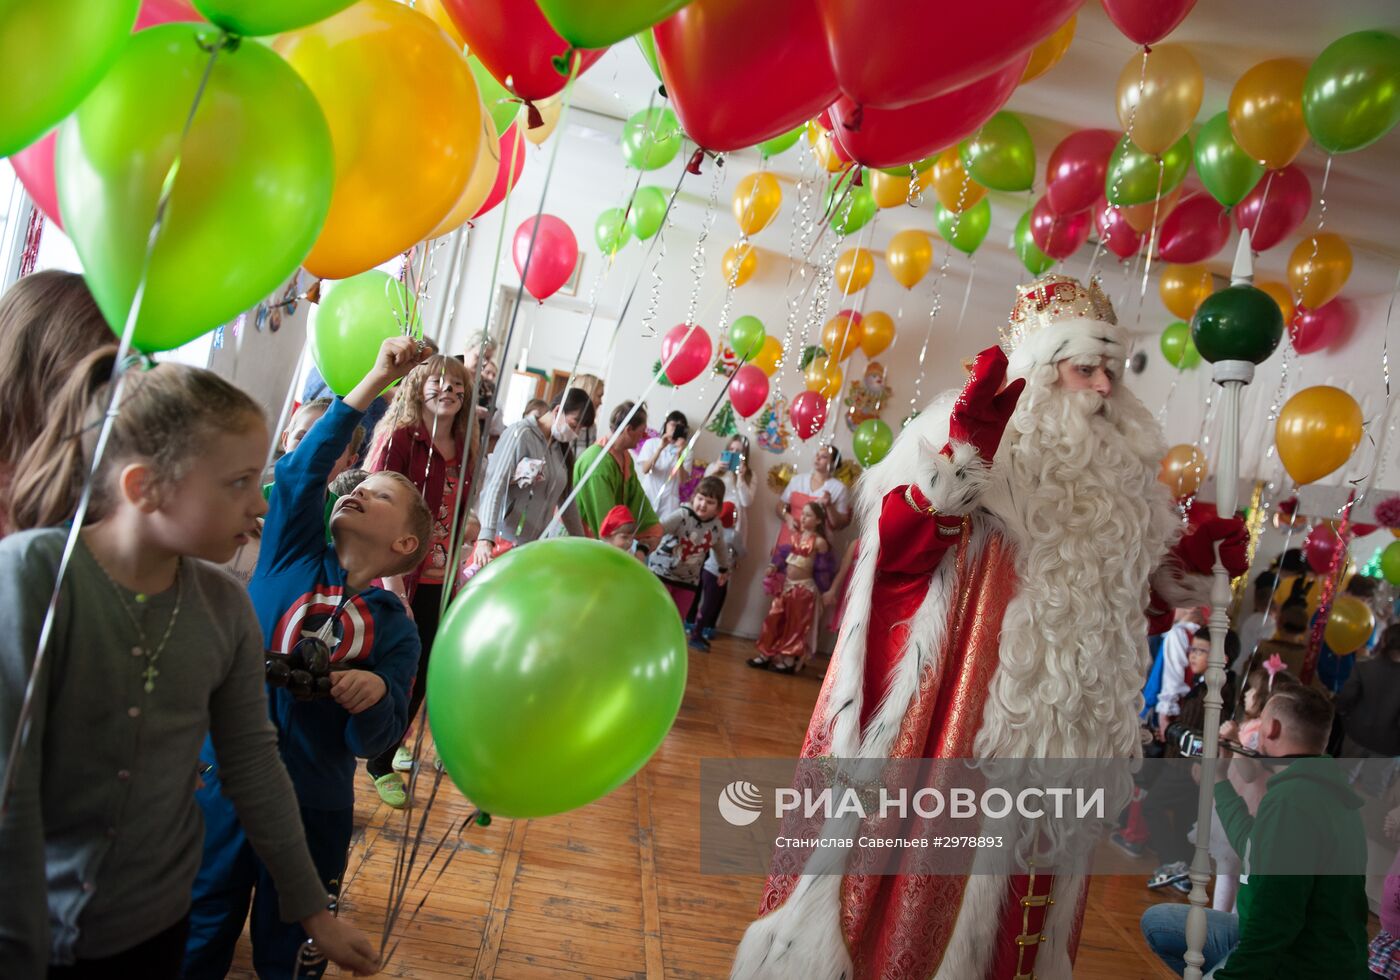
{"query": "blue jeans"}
{"type": "Point", "coordinates": [1164, 927]}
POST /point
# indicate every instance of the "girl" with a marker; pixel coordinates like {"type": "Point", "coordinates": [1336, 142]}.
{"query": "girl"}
{"type": "Point", "coordinates": [587, 435]}
{"type": "Point", "coordinates": [792, 619]}
{"type": "Point", "coordinates": [424, 436]}
{"type": "Point", "coordinates": [657, 458]}
{"type": "Point", "coordinates": [152, 648]}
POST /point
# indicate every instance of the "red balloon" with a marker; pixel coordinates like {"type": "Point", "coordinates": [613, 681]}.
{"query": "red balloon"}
{"type": "Point", "coordinates": [514, 41]}
{"type": "Point", "coordinates": [155, 12]}
{"type": "Point", "coordinates": [1321, 547]}
{"type": "Point", "coordinates": [685, 352]}
{"type": "Point", "coordinates": [547, 245]}
{"type": "Point", "coordinates": [508, 173]}
{"type": "Point", "coordinates": [808, 414]}
{"type": "Point", "coordinates": [1326, 326]}
{"type": "Point", "coordinates": [749, 390]}
{"type": "Point", "coordinates": [1196, 230]}
{"type": "Point", "coordinates": [1074, 176]}
{"type": "Point", "coordinates": [882, 56]}
{"type": "Point", "coordinates": [853, 315]}
{"type": "Point", "coordinates": [34, 168]}
{"type": "Point", "coordinates": [1147, 21]}
{"type": "Point", "coordinates": [1275, 208]}
{"type": "Point", "coordinates": [739, 72]}
{"type": "Point", "coordinates": [1059, 236]}
{"type": "Point", "coordinates": [1361, 530]}
{"type": "Point", "coordinates": [892, 137]}
{"type": "Point", "coordinates": [1119, 237]}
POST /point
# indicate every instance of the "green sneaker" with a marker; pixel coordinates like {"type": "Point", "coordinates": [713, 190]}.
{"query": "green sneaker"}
{"type": "Point", "coordinates": [403, 759]}
{"type": "Point", "coordinates": [391, 790]}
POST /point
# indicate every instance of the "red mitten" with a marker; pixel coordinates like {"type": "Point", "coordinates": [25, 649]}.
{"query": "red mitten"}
{"type": "Point", "coordinates": [1197, 547]}
{"type": "Point", "coordinates": [983, 408]}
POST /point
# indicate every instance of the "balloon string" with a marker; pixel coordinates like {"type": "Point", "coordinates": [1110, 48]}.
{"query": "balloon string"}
{"type": "Point", "coordinates": [32, 236]}
{"type": "Point", "coordinates": [936, 306]}
{"type": "Point", "coordinates": [798, 237]}
{"type": "Point", "coordinates": [1387, 412]}
{"type": "Point", "coordinates": [832, 357]}
{"type": "Point", "coordinates": [658, 246]}
{"type": "Point", "coordinates": [1259, 215]}
{"type": "Point", "coordinates": [967, 292]}
{"type": "Point", "coordinates": [1151, 236]}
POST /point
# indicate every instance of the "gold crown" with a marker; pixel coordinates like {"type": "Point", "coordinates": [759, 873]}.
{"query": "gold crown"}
{"type": "Point", "coordinates": [1053, 299]}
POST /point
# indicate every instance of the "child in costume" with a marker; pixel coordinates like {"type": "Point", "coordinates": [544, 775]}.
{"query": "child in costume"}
{"type": "Point", "coordinates": [790, 628]}
{"type": "Point", "coordinates": [619, 529]}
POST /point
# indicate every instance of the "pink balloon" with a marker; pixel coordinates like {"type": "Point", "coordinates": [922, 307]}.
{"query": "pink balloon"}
{"type": "Point", "coordinates": [1058, 236]}
{"type": "Point", "coordinates": [1147, 21]}
{"type": "Point", "coordinates": [1119, 237]}
{"type": "Point", "coordinates": [1074, 175]}
{"type": "Point", "coordinates": [1321, 548]}
{"type": "Point", "coordinates": [1196, 230]}
{"type": "Point", "coordinates": [155, 12]}
{"type": "Point", "coordinates": [1326, 326]}
{"type": "Point", "coordinates": [548, 247]}
{"type": "Point", "coordinates": [808, 413]}
{"type": "Point", "coordinates": [1275, 208]}
{"type": "Point", "coordinates": [508, 174]}
{"type": "Point", "coordinates": [34, 168]}
{"type": "Point", "coordinates": [852, 315]}
{"type": "Point", "coordinates": [749, 390]}
{"type": "Point", "coordinates": [685, 352]}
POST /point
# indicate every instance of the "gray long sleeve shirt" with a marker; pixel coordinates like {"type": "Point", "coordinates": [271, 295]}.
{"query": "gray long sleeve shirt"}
{"type": "Point", "coordinates": [103, 838]}
{"type": "Point", "coordinates": [520, 514]}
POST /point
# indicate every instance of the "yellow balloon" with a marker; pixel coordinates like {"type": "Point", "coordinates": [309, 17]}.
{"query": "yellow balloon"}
{"type": "Point", "coordinates": [1184, 288]}
{"type": "Point", "coordinates": [1318, 268]}
{"type": "Point", "coordinates": [876, 332]}
{"type": "Point", "coordinates": [739, 263]}
{"type": "Point", "coordinates": [549, 109]}
{"type": "Point", "coordinates": [823, 376]}
{"type": "Point", "coordinates": [1317, 431]}
{"type": "Point", "coordinates": [1349, 625]}
{"type": "Point", "coordinates": [813, 131]}
{"type": "Point", "coordinates": [1158, 102]}
{"type": "Point", "coordinates": [756, 202]}
{"type": "Point", "coordinates": [440, 16]}
{"type": "Point", "coordinates": [841, 337]}
{"type": "Point", "coordinates": [826, 153]}
{"type": "Point", "coordinates": [1047, 53]}
{"type": "Point", "coordinates": [766, 360]}
{"type": "Point", "coordinates": [854, 270]}
{"type": "Point", "coordinates": [1266, 111]}
{"type": "Point", "coordinates": [955, 189]}
{"type": "Point", "coordinates": [890, 190]}
{"type": "Point", "coordinates": [1142, 216]}
{"type": "Point", "coordinates": [479, 184]}
{"type": "Point", "coordinates": [405, 118]}
{"type": "Point", "coordinates": [909, 256]}
{"type": "Point", "coordinates": [1279, 293]}
{"type": "Point", "coordinates": [1183, 470]}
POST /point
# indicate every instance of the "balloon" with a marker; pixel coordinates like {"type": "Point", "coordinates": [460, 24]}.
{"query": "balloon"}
{"type": "Point", "coordinates": [600, 23]}
{"type": "Point", "coordinates": [549, 110]}
{"type": "Point", "coordinates": [685, 351]}
{"type": "Point", "coordinates": [956, 190]}
{"type": "Point", "coordinates": [258, 18]}
{"type": "Point", "coordinates": [1239, 323]}
{"type": "Point", "coordinates": [1351, 96]}
{"type": "Point", "coordinates": [646, 41]}
{"type": "Point", "coordinates": [1047, 53]}
{"type": "Point", "coordinates": [557, 720]}
{"type": "Point", "coordinates": [780, 144]}
{"type": "Point", "coordinates": [1319, 268]}
{"type": "Point", "coordinates": [854, 269]}
{"type": "Point", "coordinates": [840, 338]}
{"type": "Point", "coordinates": [877, 333]}
{"type": "Point", "coordinates": [647, 212]}
{"type": "Point", "coordinates": [808, 414]}
{"type": "Point", "coordinates": [767, 359]}
{"type": "Point", "coordinates": [1001, 156]}
{"type": "Point", "coordinates": [511, 151]}
{"type": "Point", "coordinates": [1074, 175]}
{"type": "Point", "coordinates": [823, 375]}
{"type": "Point", "coordinates": [1320, 547]}
{"type": "Point", "coordinates": [34, 166]}
{"type": "Point", "coordinates": [1116, 234]}
{"type": "Point", "coordinates": [156, 12]}
{"type": "Point", "coordinates": [1279, 293]}
{"type": "Point", "coordinates": [52, 53]}
{"type": "Point", "coordinates": [1135, 177]}
{"type": "Point", "coordinates": [1275, 208]}
{"type": "Point", "coordinates": [385, 62]}
{"type": "Point", "coordinates": [1184, 288]}
{"type": "Point", "coordinates": [545, 253]}
{"type": "Point", "coordinates": [1183, 470]}
{"type": "Point", "coordinates": [651, 139]}
{"type": "Point", "coordinates": [1147, 21]}
{"type": "Point", "coordinates": [967, 232]}
{"type": "Point", "coordinates": [1390, 562]}
{"type": "Point", "coordinates": [746, 337]}
{"type": "Point", "coordinates": [892, 190]}
{"type": "Point", "coordinates": [1266, 111]}
{"type": "Point", "coordinates": [756, 202]}
{"type": "Point", "coordinates": [1158, 101]}
{"type": "Point", "coordinates": [1058, 236]}
{"type": "Point", "coordinates": [250, 196]}
{"type": "Point", "coordinates": [1142, 217]}
{"type": "Point", "coordinates": [739, 262]}
{"type": "Point", "coordinates": [496, 99]}
{"type": "Point", "coordinates": [1026, 249]}
{"type": "Point", "coordinates": [354, 317]}
{"type": "Point", "coordinates": [828, 154]}
{"type": "Point", "coordinates": [1195, 230]}
{"type": "Point", "coordinates": [1349, 625]}
{"type": "Point", "coordinates": [909, 256]}
{"type": "Point", "coordinates": [516, 44]}
{"type": "Point", "coordinates": [1227, 172]}
{"type": "Point", "coordinates": [872, 440]}
{"type": "Point", "coordinates": [1177, 347]}
{"type": "Point", "coordinates": [1312, 330]}
{"type": "Point", "coordinates": [479, 184]}
{"type": "Point", "coordinates": [1317, 431]}
{"type": "Point", "coordinates": [610, 231]}
{"type": "Point", "coordinates": [850, 210]}
{"type": "Point", "coordinates": [748, 391]}
{"type": "Point", "coordinates": [739, 72]}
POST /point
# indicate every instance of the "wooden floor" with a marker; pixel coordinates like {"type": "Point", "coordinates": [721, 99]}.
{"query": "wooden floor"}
{"type": "Point", "coordinates": [614, 890]}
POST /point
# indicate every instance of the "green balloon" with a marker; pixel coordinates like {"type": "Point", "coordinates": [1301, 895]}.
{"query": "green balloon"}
{"type": "Point", "coordinates": [256, 18]}
{"type": "Point", "coordinates": [1227, 171]}
{"type": "Point", "coordinates": [1178, 348]}
{"type": "Point", "coordinates": [354, 317]}
{"type": "Point", "coordinates": [647, 212]}
{"type": "Point", "coordinates": [602, 23]}
{"type": "Point", "coordinates": [852, 211]}
{"type": "Point", "coordinates": [538, 702]}
{"type": "Point", "coordinates": [1026, 249]}
{"type": "Point", "coordinates": [872, 440]}
{"type": "Point", "coordinates": [1001, 156]}
{"type": "Point", "coordinates": [780, 144]}
{"type": "Point", "coordinates": [1351, 97]}
{"type": "Point", "coordinates": [910, 169]}
{"type": "Point", "coordinates": [611, 231]}
{"type": "Point", "coordinates": [1134, 173]}
{"type": "Point", "coordinates": [52, 52]}
{"type": "Point", "coordinates": [746, 337]}
{"type": "Point", "coordinates": [651, 139]}
{"type": "Point", "coordinates": [647, 43]}
{"type": "Point", "coordinates": [500, 105]}
{"type": "Point", "coordinates": [1390, 563]}
{"type": "Point", "coordinates": [965, 235]}
{"type": "Point", "coordinates": [252, 192]}
{"type": "Point", "coordinates": [1237, 323]}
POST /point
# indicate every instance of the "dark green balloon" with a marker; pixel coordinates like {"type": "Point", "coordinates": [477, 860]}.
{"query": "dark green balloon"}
{"type": "Point", "coordinates": [1133, 175]}
{"type": "Point", "coordinates": [1177, 347]}
{"type": "Point", "coordinates": [1027, 251]}
{"type": "Point", "coordinates": [1226, 170]}
{"type": "Point", "coordinates": [1001, 156]}
{"type": "Point", "coordinates": [780, 144]}
{"type": "Point", "coordinates": [1351, 97]}
{"type": "Point", "coordinates": [966, 234]}
{"type": "Point", "coordinates": [1237, 323]}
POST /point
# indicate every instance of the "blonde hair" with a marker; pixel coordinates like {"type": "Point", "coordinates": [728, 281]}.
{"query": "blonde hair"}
{"type": "Point", "coordinates": [418, 521]}
{"type": "Point", "coordinates": [406, 410]}
{"type": "Point", "coordinates": [590, 383]}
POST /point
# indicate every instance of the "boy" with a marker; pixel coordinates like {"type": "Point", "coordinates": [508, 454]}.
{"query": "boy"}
{"type": "Point", "coordinates": [304, 587]}
{"type": "Point", "coordinates": [689, 534]}
{"type": "Point", "coordinates": [712, 593]}
{"type": "Point", "coordinates": [619, 529]}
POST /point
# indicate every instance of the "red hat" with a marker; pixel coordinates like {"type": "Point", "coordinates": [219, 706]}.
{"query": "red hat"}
{"type": "Point", "coordinates": [617, 517]}
{"type": "Point", "coordinates": [726, 514]}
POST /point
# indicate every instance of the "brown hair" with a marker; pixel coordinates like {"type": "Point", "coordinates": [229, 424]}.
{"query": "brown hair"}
{"type": "Point", "coordinates": [1305, 712]}
{"type": "Point", "coordinates": [619, 415]}
{"type": "Point", "coordinates": [165, 418]}
{"type": "Point", "coordinates": [418, 521]}
{"type": "Point", "coordinates": [406, 409]}
{"type": "Point", "coordinates": [712, 487]}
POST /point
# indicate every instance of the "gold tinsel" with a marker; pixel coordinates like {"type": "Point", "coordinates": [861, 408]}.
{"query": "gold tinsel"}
{"type": "Point", "coordinates": [779, 476]}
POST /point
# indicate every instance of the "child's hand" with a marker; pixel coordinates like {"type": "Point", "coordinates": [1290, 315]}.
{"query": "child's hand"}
{"type": "Point", "coordinates": [341, 942]}
{"type": "Point", "coordinates": [398, 356]}
{"type": "Point", "coordinates": [357, 690]}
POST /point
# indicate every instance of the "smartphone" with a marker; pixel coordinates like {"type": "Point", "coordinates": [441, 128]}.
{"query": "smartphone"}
{"type": "Point", "coordinates": [731, 460]}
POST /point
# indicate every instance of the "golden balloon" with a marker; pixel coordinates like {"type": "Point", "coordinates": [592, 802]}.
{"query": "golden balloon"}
{"type": "Point", "coordinates": [739, 263]}
{"type": "Point", "coordinates": [823, 376]}
{"type": "Point", "coordinates": [1266, 111]}
{"type": "Point", "coordinates": [955, 189]}
{"type": "Point", "coordinates": [841, 337]}
{"type": "Point", "coordinates": [854, 270]}
{"type": "Point", "coordinates": [876, 333]}
{"type": "Point", "coordinates": [1349, 625]}
{"type": "Point", "coordinates": [1318, 268]}
{"type": "Point", "coordinates": [1317, 431]}
{"type": "Point", "coordinates": [909, 256]}
{"type": "Point", "coordinates": [756, 202]}
{"type": "Point", "coordinates": [1158, 100]}
{"type": "Point", "coordinates": [1048, 53]}
{"type": "Point", "coordinates": [1183, 470]}
{"type": "Point", "coordinates": [1184, 288]}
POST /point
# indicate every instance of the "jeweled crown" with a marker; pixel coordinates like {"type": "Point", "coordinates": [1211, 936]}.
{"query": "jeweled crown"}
{"type": "Point", "coordinates": [1053, 299]}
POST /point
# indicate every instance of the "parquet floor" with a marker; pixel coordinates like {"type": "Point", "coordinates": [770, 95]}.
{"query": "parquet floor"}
{"type": "Point", "coordinates": [613, 890]}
